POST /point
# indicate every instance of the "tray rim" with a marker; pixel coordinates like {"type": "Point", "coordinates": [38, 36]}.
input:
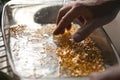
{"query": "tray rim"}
{"type": "Point", "coordinates": [19, 2]}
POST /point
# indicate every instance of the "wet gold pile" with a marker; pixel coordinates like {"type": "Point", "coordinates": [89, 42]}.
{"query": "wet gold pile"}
{"type": "Point", "coordinates": [78, 59]}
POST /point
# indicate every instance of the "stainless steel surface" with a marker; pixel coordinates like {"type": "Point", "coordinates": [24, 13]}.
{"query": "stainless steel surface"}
{"type": "Point", "coordinates": [29, 14]}
{"type": "Point", "coordinates": [113, 30]}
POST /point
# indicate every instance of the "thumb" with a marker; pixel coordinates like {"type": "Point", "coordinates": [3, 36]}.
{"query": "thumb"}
{"type": "Point", "coordinates": [84, 32]}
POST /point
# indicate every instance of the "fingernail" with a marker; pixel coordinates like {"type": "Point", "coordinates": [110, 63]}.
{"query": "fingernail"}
{"type": "Point", "coordinates": [77, 38]}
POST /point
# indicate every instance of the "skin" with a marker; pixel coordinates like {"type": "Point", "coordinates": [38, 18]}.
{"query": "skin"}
{"type": "Point", "coordinates": [91, 15]}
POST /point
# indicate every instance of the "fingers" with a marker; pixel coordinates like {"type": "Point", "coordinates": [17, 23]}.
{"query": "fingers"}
{"type": "Point", "coordinates": [62, 12]}
{"type": "Point", "coordinates": [110, 74]}
{"type": "Point", "coordinates": [84, 14]}
{"type": "Point", "coordinates": [67, 14]}
{"type": "Point", "coordinates": [67, 19]}
{"type": "Point", "coordinates": [92, 25]}
{"type": "Point", "coordinates": [84, 31]}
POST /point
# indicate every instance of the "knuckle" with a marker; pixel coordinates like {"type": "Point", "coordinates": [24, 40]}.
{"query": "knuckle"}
{"type": "Point", "coordinates": [61, 10]}
{"type": "Point", "coordinates": [76, 6]}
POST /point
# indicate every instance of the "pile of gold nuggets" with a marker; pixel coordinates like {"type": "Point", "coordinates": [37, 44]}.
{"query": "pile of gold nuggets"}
{"type": "Point", "coordinates": [75, 59]}
{"type": "Point", "coordinates": [78, 59]}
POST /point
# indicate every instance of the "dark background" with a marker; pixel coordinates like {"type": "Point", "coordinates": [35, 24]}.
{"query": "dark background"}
{"type": "Point", "coordinates": [2, 3]}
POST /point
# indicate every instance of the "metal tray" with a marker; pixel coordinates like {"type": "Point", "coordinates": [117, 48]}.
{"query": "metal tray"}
{"type": "Point", "coordinates": [35, 13]}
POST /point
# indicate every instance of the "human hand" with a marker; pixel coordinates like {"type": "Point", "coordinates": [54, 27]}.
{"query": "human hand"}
{"type": "Point", "coordinates": [91, 16]}
{"type": "Point", "coordinates": [112, 73]}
